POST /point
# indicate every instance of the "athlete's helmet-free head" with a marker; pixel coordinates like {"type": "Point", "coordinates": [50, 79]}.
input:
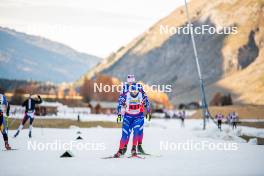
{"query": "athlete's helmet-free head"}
{"type": "Point", "coordinates": [131, 78]}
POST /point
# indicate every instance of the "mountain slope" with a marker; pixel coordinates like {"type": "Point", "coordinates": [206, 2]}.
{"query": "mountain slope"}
{"type": "Point", "coordinates": [26, 57]}
{"type": "Point", "coordinates": [160, 58]}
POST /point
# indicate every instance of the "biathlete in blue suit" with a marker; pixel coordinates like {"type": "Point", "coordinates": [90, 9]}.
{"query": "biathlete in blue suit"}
{"type": "Point", "coordinates": [4, 109]}
{"type": "Point", "coordinates": [134, 100]}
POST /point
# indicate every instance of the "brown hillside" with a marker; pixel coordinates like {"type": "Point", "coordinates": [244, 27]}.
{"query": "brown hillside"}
{"type": "Point", "coordinates": [231, 63]}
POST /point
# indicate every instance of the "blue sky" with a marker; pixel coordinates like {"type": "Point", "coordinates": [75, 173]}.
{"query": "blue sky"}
{"type": "Point", "coordinates": [96, 27]}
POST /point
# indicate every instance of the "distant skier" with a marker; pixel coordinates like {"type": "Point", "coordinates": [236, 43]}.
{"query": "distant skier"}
{"type": "Point", "coordinates": [174, 115]}
{"type": "Point", "coordinates": [219, 118]}
{"type": "Point", "coordinates": [234, 119]}
{"type": "Point", "coordinates": [30, 105]}
{"type": "Point", "coordinates": [134, 102]}
{"type": "Point", "coordinates": [4, 108]}
{"type": "Point", "coordinates": [78, 118]}
{"type": "Point", "coordinates": [207, 115]}
{"type": "Point", "coordinates": [7, 116]}
{"type": "Point", "coordinates": [182, 116]}
{"type": "Point", "coordinates": [228, 119]}
{"type": "Point", "coordinates": [126, 88]}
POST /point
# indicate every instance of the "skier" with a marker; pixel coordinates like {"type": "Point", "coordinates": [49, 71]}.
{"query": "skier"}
{"type": "Point", "coordinates": [4, 108]}
{"type": "Point", "coordinates": [182, 115]}
{"type": "Point", "coordinates": [7, 116]}
{"type": "Point", "coordinates": [29, 104]}
{"type": "Point", "coordinates": [126, 87]}
{"type": "Point", "coordinates": [219, 117]}
{"type": "Point", "coordinates": [228, 119]}
{"type": "Point", "coordinates": [234, 118]}
{"type": "Point", "coordinates": [207, 115]}
{"type": "Point", "coordinates": [134, 102]}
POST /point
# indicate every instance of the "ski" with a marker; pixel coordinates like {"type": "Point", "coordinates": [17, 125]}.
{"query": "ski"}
{"type": "Point", "coordinates": [139, 155]}
{"type": "Point", "coordinates": [112, 157]}
{"type": "Point", "coordinates": [131, 156]}
{"type": "Point", "coordinates": [9, 149]}
{"type": "Point", "coordinates": [149, 155]}
{"type": "Point", "coordinates": [136, 156]}
{"type": "Point", "coordinates": [144, 154]}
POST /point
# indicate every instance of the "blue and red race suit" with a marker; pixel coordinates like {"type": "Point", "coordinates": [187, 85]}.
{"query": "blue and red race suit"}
{"type": "Point", "coordinates": [134, 114]}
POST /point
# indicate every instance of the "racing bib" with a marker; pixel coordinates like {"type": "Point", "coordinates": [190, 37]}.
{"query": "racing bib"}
{"type": "Point", "coordinates": [134, 104]}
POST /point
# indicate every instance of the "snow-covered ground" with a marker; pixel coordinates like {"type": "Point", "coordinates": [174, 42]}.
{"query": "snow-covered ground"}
{"type": "Point", "coordinates": [83, 117]}
{"type": "Point", "coordinates": [177, 150]}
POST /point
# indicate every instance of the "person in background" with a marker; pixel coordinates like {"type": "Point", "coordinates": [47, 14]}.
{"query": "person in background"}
{"type": "Point", "coordinates": [78, 118]}
{"type": "Point", "coordinates": [234, 119]}
{"type": "Point", "coordinates": [228, 119]}
{"type": "Point", "coordinates": [4, 110]}
{"type": "Point", "coordinates": [182, 116]}
{"type": "Point", "coordinates": [30, 105]}
{"type": "Point", "coordinates": [207, 115]}
{"type": "Point", "coordinates": [219, 118]}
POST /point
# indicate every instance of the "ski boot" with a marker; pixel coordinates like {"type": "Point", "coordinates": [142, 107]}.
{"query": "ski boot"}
{"type": "Point", "coordinates": [119, 153]}
{"type": "Point", "coordinates": [7, 146]}
{"type": "Point", "coordinates": [133, 151]}
{"type": "Point", "coordinates": [140, 149]}
{"type": "Point", "coordinates": [124, 150]}
{"type": "Point", "coordinates": [17, 133]}
{"type": "Point", "coordinates": [30, 134]}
